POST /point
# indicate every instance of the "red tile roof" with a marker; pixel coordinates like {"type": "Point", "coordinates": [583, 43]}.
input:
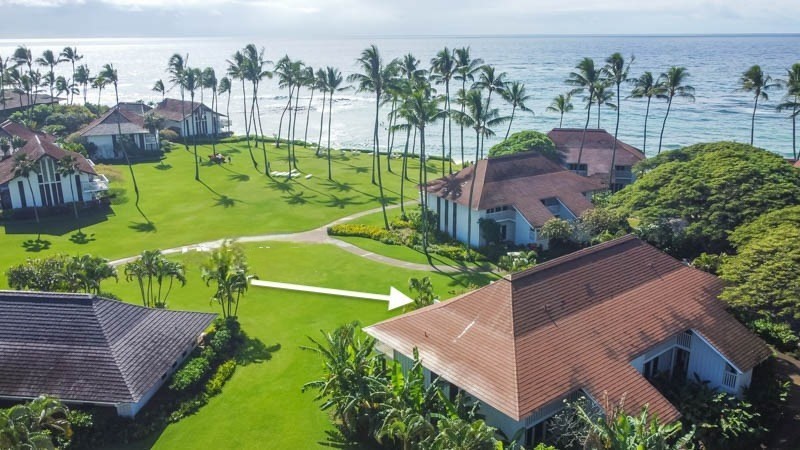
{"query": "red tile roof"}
{"type": "Point", "coordinates": [597, 149]}
{"type": "Point", "coordinates": [15, 100]}
{"type": "Point", "coordinates": [37, 146]}
{"type": "Point", "coordinates": [107, 124]}
{"type": "Point", "coordinates": [797, 163]}
{"type": "Point", "coordinates": [176, 110]}
{"type": "Point", "coordinates": [522, 180]}
{"type": "Point", "coordinates": [573, 323]}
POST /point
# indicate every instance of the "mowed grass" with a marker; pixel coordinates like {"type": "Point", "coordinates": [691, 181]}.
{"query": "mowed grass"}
{"type": "Point", "coordinates": [231, 200]}
{"type": "Point", "coordinates": [262, 406]}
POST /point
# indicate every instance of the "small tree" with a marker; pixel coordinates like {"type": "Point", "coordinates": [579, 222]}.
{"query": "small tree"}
{"type": "Point", "coordinates": [423, 289]}
{"type": "Point", "coordinates": [227, 269]}
{"type": "Point", "coordinates": [68, 167]}
{"type": "Point", "coordinates": [557, 230]}
{"type": "Point", "coordinates": [24, 167]}
{"type": "Point", "coordinates": [151, 271]}
{"type": "Point", "coordinates": [490, 230]}
{"type": "Point", "coordinates": [41, 423]}
{"type": "Point", "coordinates": [526, 141]}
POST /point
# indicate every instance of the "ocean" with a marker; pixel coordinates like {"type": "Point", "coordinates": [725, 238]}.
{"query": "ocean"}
{"type": "Point", "coordinates": [720, 112]}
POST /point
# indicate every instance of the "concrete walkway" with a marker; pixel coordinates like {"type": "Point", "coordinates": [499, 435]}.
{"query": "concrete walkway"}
{"type": "Point", "coordinates": [315, 236]}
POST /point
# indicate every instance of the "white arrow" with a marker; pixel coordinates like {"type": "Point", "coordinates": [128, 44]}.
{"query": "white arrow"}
{"type": "Point", "coordinates": [395, 298]}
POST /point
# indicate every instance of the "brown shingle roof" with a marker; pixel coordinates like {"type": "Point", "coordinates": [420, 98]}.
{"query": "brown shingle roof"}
{"type": "Point", "coordinates": [37, 146]}
{"type": "Point", "coordinates": [83, 348]}
{"type": "Point", "coordinates": [15, 100]}
{"type": "Point", "coordinates": [106, 125]}
{"type": "Point", "coordinates": [522, 180]}
{"type": "Point", "coordinates": [572, 323]}
{"type": "Point", "coordinates": [174, 109]}
{"type": "Point", "coordinates": [797, 163]}
{"type": "Point", "coordinates": [597, 149]}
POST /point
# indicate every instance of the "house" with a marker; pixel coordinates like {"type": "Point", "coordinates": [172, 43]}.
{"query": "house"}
{"type": "Point", "coordinates": [127, 120]}
{"type": "Point", "coordinates": [602, 321]}
{"type": "Point", "coordinates": [595, 160]}
{"type": "Point", "coordinates": [15, 100]}
{"type": "Point", "coordinates": [89, 350]}
{"type": "Point", "coordinates": [45, 186]}
{"type": "Point", "coordinates": [520, 192]}
{"type": "Point", "coordinates": [189, 119]}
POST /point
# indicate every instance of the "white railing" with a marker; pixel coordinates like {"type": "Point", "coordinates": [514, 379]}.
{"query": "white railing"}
{"type": "Point", "coordinates": [729, 380]}
{"type": "Point", "coordinates": [685, 340]}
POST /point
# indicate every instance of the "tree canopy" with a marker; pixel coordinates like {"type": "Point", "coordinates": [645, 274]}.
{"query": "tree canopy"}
{"type": "Point", "coordinates": [689, 200]}
{"type": "Point", "coordinates": [526, 141]}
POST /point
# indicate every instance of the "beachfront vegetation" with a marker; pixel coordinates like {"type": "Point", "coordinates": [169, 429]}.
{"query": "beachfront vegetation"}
{"type": "Point", "coordinates": [526, 141]}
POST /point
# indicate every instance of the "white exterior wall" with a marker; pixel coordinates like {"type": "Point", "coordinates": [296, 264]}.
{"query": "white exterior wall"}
{"type": "Point", "coordinates": [104, 144]}
{"type": "Point", "coordinates": [16, 197]}
{"type": "Point", "coordinates": [190, 128]}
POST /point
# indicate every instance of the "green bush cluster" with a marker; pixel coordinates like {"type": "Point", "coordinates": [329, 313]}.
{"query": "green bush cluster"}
{"type": "Point", "coordinates": [364, 231]}
{"type": "Point", "coordinates": [526, 141]}
{"type": "Point", "coordinates": [190, 375]}
{"type": "Point", "coordinates": [223, 374]}
{"type": "Point", "coordinates": [779, 334]}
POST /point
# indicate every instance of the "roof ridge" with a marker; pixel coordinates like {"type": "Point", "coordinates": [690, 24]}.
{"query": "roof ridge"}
{"type": "Point", "coordinates": [112, 352]}
{"type": "Point", "coordinates": [71, 295]}
{"type": "Point", "coordinates": [514, 351]}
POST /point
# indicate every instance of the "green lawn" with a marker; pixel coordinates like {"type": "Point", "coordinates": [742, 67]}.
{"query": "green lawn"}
{"type": "Point", "coordinates": [262, 406]}
{"type": "Point", "coordinates": [231, 200]}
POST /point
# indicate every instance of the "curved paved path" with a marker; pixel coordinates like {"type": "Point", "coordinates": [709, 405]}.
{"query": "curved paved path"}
{"type": "Point", "coordinates": [315, 236]}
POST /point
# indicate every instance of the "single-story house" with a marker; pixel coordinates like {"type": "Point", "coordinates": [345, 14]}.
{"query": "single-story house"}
{"type": "Point", "coordinates": [45, 187]}
{"type": "Point", "coordinates": [602, 321]}
{"type": "Point", "coordinates": [520, 192]}
{"type": "Point", "coordinates": [596, 157]}
{"type": "Point", "coordinates": [90, 350]}
{"type": "Point", "coordinates": [15, 100]}
{"type": "Point", "coordinates": [189, 119]}
{"type": "Point", "coordinates": [126, 119]}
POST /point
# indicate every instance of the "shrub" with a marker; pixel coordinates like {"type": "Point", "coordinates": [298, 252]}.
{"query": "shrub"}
{"type": "Point", "coordinates": [191, 374]}
{"type": "Point", "coordinates": [490, 230]}
{"type": "Point", "coordinates": [779, 334]}
{"type": "Point", "coordinates": [526, 141]}
{"type": "Point", "coordinates": [709, 262]}
{"type": "Point", "coordinates": [359, 230]}
{"type": "Point", "coordinates": [224, 373]}
{"type": "Point", "coordinates": [188, 407]}
{"type": "Point", "coordinates": [415, 218]}
{"type": "Point", "coordinates": [55, 130]}
{"type": "Point", "coordinates": [557, 229]}
{"type": "Point", "coordinates": [169, 135]}
{"type": "Point", "coordinates": [456, 252]}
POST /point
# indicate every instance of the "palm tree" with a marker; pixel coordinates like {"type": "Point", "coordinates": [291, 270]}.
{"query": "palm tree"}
{"type": "Point", "coordinates": [71, 54]}
{"type": "Point", "coordinates": [300, 77]}
{"type": "Point", "coordinates": [49, 59]}
{"type": "Point", "coordinates": [83, 77]}
{"type": "Point", "coordinates": [515, 94]}
{"type": "Point", "coordinates": [408, 68]}
{"type": "Point", "coordinates": [466, 70]}
{"type": "Point", "coordinates": [65, 86]}
{"type": "Point", "coordinates": [38, 424]}
{"type": "Point", "coordinates": [310, 81]}
{"type": "Point", "coordinates": [443, 68]}
{"type": "Point", "coordinates": [373, 79]}
{"type": "Point", "coordinates": [4, 66]}
{"type": "Point", "coordinates": [792, 101]}
{"type": "Point", "coordinates": [150, 271]}
{"type": "Point", "coordinates": [24, 56]}
{"type": "Point", "coordinates": [227, 268]}
{"type": "Point", "coordinates": [646, 86]}
{"type": "Point", "coordinates": [673, 85]}
{"type": "Point", "coordinates": [158, 86]}
{"type": "Point", "coordinates": [333, 79]}
{"type": "Point", "coordinates": [99, 83]}
{"type": "Point", "coordinates": [603, 96]}
{"type": "Point", "coordinates": [585, 79]}
{"type": "Point", "coordinates": [617, 71]}
{"type": "Point", "coordinates": [491, 81]}
{"type": "Point", "coordinates": [176, 68]}
{"type": "Point", "coordinates": [109, 74]}
{"type": "Point", "coordinates": [25, 167]}
{"type": "Point", "coordinates": [322, 78]}
{"type": "Point", "coordinates": [68, 168]}
{"type": "Point", "coordinates": [190, 81]}
{"type": "Point", "coordinates": [562, 104]}
{"type": "Point", "coordinates": [459, 434]}
{"type": "Point", "coordinates": [756, 81]}
{"type": "Point", "coordinates": [225, 88]}
{"type": "Point", "coordinates": [209, 81]}
{"type": "Point", "coordinates": [237, 66]}
{"type": "Point", "coordinates": [255, 72]}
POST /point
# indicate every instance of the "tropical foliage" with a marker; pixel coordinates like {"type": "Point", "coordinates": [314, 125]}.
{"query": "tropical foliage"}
{"type": "Point", "coordinates": [61, 273]}
{"type": "Point", "coordinates": [227, 269]}
{"type": "Point", "coordinates": [42, 423]}
{"type": "Point", "coordinates": [155, 276]}
{"type": "Point", "coordinates": [526, 141]}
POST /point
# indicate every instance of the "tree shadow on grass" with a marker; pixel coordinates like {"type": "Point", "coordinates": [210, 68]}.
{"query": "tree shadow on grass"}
{"type": "Point", "coordinates": [240, 177]}
{"type": "Point", "coordinates": [82, 238]}
{"type": "Point", "coordinates": [281, 186]}
{"type": "Point", "coordinates": [143, 227]}
{"type": "Point", "coordinates": [225, 201]}
{"type": "Point", "coordinates": [253, 351]}
{"type": "Point", "coordinates": [338, 185]}
{"type": "Point", "coordinates": [36, 245]}
{"type": "Point", "coordinates": [297, 198]}
{"type": "Point", "coordinates": [340, 202]}
{"type": "Point", "coordinates": [163, 166]}
{"type": "Point", "coordinates": [58, 225]}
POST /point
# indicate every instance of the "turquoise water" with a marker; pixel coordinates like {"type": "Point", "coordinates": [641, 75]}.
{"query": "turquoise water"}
{"type": "Point", "coordinates": [542, 63]}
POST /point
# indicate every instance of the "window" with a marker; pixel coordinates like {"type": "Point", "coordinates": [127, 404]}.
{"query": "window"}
{"type": "Point", "coordinates": [537, 433]}
{"type": "Point", "coordinates": [622, 168]}
{"type": "Point", "coordinates": [50, 183]}
{"type": "Point", "coordinates": [455, 208]}
{"type": "Point", "coordinates": [498, 209]}
{"type": "Point", "coordinates": [651, 368]}
{"type": "Point", "coordinates": [532, 234]}
{"type": "Point", "coordinates": [78, 188]}
{"type": "Point", "coordinates": [503, 232]}
{"type": "Point", "coordinates": [580, 169]}
{"type": "Point", "coordinates": [22, 199]}
{"type": "Point", "coordinates": [552, 201]}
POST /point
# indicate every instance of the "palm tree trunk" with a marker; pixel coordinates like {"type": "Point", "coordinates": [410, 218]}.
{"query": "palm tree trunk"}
{"type": "Point", "coordinates": [321, 118]}
{"type": "Point", "coordinates": [288, 135]}
{"type": "Point", "coordinates": [449, 128]}
{"type": "Point", "coordinates": [71, 92]}
{"type": "Point", "coordinates": [561, 120]}
{"type": "Point", "coordinates": [646, 116]}
{"type": "Point", "coordinates": [404, 174]}
{"type": "Point", "coordinates": [753, 121]}
{"type": "Point", "coordinates": [378, 161]}
{"type": "Point", "coordinates": [389, 138]}
{"type": "Point", "coordinates": [193, 127]}
{"type": "Point", "coordinates": [444, 149]}
{"type": "Point", "coordinates": [261, 130]}
{"type": "Point", "coordinates": [280, 123]}
{"type": "Point", "coordinates": [598, 114]}
{"type": "Point", "coordinates": [330, 117]}
{"type": "Point", "coordinates": [228, 110]}
{"type": "Point", "coordinates": [463, 106]}
{"type": "Point", "coordinates": [663, 125]}
{"type": "Point", "coordinates": [33, 198]}
{"type": "Point", "coordinates": [471, 195]}
{"type": "Point", "coordinates": [414, 143]}
{"type": "Point", "coordinates": [72, 193]}
{"type": "Point", "coordinates": [583, 137]}
{"type": "Point", "coordinates": [513, 110]}
{"type": "Point", "coordinates": [125, 154]}
{"type": "Point", "coordinates": [423, 188]}
{"type": "Point", "coordinates": [614, 146]}
{"type": "Point", "coordinates": [794, 133]}
{"type": "Point", "coordinates": [183, 115]}
{"type": "Point", "coordinates": [308, 117]}
{"type": "Point", "coordinates": [294, 126]}
{"type": "Point", "coordinates": [246, 124]}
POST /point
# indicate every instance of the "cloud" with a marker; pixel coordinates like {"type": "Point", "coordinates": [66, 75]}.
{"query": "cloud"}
{"type": "Point", "coordinates": [40, 3]}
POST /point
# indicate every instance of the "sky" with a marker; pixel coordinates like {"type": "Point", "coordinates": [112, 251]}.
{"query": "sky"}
{"type": "Point", "coordinates": [343, 18]}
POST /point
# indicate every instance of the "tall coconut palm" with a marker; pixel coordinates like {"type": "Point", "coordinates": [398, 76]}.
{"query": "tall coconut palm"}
{"type": "Point", "coordinates": [322, 78]}
{"type": "Point", "coordinates": [444, 67]}
{"type": "Point", "coordinates": [24, 57]}
{"type": "Point", "coordinates": [792, 101]}
{"type": "Point", "coordinates": [333, 84]}
{"type": "Point", "coordinates": [300, 76]}
{"type": "Point", "coordinates": [756, 81]}
{"type": "Point", "coordinates": [617, 71]}
{"type": "Point", "coordinates": [25, 167]}
{"type": "Point", "coordinates": [109, 74]}
{"type": "Point", "coordinates": [585, 79]}
{"type": "Point", "coordinates": [158, 87]}
{"type": "Point", "coordinates": [50, 60]}
{"type": "Point", "coordinates": [310, 81]}
{"type": "Point", "coordinates": [255, 72]}
{"type": "Point", "coordinates": [372, 79]}
{"type": "Point", "coordinates": [514, 93]}
{"type": "Point", "coordinates": [490, 81]}
{"type": "Point", "coordinates": [408, 68]}
{"type": "Point", "coordinates": [99, 83]}
{"type": "Point", "coordinates": [466, 70]}
{"type": "Point", "coordinates": [70, 54]}
{"type": "Point", "coordinates": [209, 81]}
{"type": "Point", "coordinates": [603, 96]}
{"type": "Point", "coordinates": [287, 72]}
{"type": "Point", "coordinates": [65, 86]}
{"type": "Point", "coordinates": [83, 77]}
{"type": "Point", "coordinates": [68, 167]}
{"type": "Point", "coordinates": [176, 68]}
{"type": "Point", "coordinates": [237, 66]}
{"type": "Point", "coordinates": [225, 88]}
{"type": "Point", "coordinates": [646, 86]}
{"type": "Point", "coordinates": [4, 66]}
{"type": "Point", "coordinates": [190, 82]}
{"type": "Point", "coordinates": [392, 94]}
{"type": "Point", "coordinates": [673, 84]}
{"type": "Point", "coordinates": [562, 104]}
